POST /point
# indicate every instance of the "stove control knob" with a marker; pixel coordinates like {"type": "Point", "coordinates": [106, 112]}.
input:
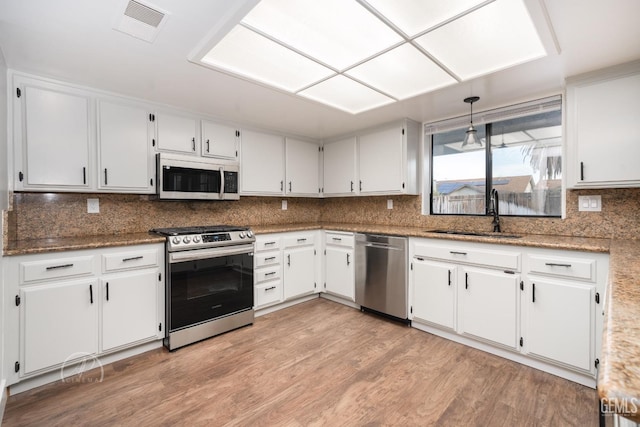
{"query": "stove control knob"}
{"type": "Point", "coordinates": [249, 234]}
{"type": "Point", "coordinates": [242, 235]}
{"type": "Point", "coordinates": [196, 239]}
{"type": "Point", "coordinates": [175, 240]}
{"type": "Point", "coordinates": [186, 239]}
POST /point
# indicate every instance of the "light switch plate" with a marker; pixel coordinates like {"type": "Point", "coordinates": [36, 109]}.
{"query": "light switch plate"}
{"type": "Point", "coordinates": [93, 205]}
{"type": "Point", "coordinates": [284, 205]}
{"type": "Point", "coordinates": [389, 203]}
{"type": "Point", "coordinates": [590, 203]}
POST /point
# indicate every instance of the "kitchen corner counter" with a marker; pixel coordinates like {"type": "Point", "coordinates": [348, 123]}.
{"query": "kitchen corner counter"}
{"type": "Point", "coordinates": [36, 246]}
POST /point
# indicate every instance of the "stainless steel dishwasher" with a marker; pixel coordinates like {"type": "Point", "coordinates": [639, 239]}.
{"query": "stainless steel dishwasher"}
{"type": "Point", "coordinates": [381, 274]}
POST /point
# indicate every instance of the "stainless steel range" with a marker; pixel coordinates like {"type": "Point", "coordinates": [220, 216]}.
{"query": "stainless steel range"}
{"type": "Point", "coordinates": [209, 281]}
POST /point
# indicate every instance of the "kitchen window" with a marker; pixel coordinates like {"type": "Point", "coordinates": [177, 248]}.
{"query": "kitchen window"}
{"type": "Point", "coordinates": [521, 157]}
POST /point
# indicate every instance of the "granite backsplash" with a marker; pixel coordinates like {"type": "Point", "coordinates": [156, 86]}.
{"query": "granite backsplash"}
{"type": "Point", "coordinates": [45, 215]}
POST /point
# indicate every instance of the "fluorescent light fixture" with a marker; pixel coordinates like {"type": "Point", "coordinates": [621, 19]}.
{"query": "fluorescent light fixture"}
{"type": "Point", "coordinates": [403, 72]}
{"type": "Point", "coordinates": [491, 38]}
{"type": "Point", "coordinates": [339, 33]}
{"type": "Point", "coordinates": [357, 55]}
{"type": "Point", "coordinates": [250, 55]}
{"type": "Point", "coordinates": [347, 95]}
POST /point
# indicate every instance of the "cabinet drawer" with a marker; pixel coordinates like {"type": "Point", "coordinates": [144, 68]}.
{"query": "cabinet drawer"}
{"type": "Point", "coordinates": [268, 293]}
{"type": "Point", "coordinates": [267, 243]}
{"type": "Point", "coordinates": [563, 267]}
{"type": "Point", "coordinates": [299, 240]}
{"type": "Point", "coordinates": [267, 258]}
{"type": "Point", "coordinates": [33, 271]}
{"type": "Point", "coordinates": [339, 239]}
{"type": "Point", "coordinates": [470, 255]}
{"type": "Point", "coordinates": [129, 260]}
{"type": "Point", "coordinates": [268, 273]}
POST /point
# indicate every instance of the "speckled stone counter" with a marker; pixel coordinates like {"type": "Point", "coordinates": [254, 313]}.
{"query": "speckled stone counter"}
{"type": "Point", "coordinates": [22, 247]}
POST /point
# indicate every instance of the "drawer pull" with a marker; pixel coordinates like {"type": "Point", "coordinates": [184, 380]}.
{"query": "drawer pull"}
{"type": "Point", "coordinates": [91, 293]}
{"type": "Point", "coordinates": [457, 253]}
{"type": "Point", "coordinates": [449, 277]}
{"type": "Point", "coordinates": [270, 288]}
{"type": "Point", "coordinates": [55, 267]}
{"type": "Point", "coordinates": [271, 273]}
{"type": "Point", "coordinates": [107, 291]}
{"type": "Point", "coordinates": [533, 292]}
{"type": "Point", "coordinates": [269, 243]}
{"type": "Point", "coordinates": [302, 240]}
{"type": "Point", "coordinates": [337, 239]}
{"type": "Point", "coordinates": [270, 258]}
{"type": "Point", "coordinates": [553, 264]}
{"type": "Point", "coordinates": [466, 280]}
{"type": "Point", "coordinates": [133, 258]}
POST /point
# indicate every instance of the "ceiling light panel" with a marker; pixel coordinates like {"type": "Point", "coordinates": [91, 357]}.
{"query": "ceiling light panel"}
{"type": "Point", "coordinates": [402, 72]}
{"type": "Point", "coordinates": [248, 54]}
{"type": "Point", "coordinates": [416, 16]}
{"type": "Point", "coordinates": [338, 33]}
{"type": "Point", "coordinates": [345, 94]}
{"type": "Point", "coordinates": [491, 38]}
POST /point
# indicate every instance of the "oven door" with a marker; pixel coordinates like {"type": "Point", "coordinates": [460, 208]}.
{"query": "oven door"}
{"type": "Point", "coordinates": [205, 284]}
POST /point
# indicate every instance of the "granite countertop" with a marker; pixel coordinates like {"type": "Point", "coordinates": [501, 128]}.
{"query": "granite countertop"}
{"type": "Point", "coordinates": [619, 373]}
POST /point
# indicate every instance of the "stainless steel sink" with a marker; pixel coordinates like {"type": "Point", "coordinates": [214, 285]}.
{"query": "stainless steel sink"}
{"type": "Point", "coordinates": [474, 233]}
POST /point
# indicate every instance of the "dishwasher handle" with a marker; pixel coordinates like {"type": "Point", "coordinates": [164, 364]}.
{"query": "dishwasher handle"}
{"type": "Point", "coordinates": [380, 246]}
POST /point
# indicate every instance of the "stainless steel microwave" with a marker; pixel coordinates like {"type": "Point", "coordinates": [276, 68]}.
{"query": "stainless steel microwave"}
{"type": "Point", "coordinates": [196, 178]}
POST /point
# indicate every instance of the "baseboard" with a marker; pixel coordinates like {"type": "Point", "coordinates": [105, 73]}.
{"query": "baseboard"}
{"type": "Point", "coordinates": [3, 398]}
{"type": "Point", "coordinates": [340, 300]}
{"type": "Point", "coordinates": [276, 307]}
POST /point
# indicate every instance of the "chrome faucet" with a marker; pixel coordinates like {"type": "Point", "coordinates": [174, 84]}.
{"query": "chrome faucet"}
{"type": "Point", "coordinates": [494, 208]}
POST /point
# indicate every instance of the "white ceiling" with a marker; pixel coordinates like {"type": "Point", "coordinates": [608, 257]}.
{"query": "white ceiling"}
{"type": "Point", "coordinates": [73, 40]}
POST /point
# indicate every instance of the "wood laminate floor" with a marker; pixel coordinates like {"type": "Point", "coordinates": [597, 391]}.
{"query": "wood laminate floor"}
{"type": "Point", "coordinates": [315, 364]}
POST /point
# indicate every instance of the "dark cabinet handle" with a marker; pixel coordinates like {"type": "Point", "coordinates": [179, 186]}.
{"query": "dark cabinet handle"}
{"type": "Point", "coordinates": [271, 273]}
{"type": "Point", "coordinates": [271, 258]}
{"type": "Point", "coordinates": [84, 175]}
{"type": "Point", "coordinates": [207, 145]}
{"type": "Point", "coordinates": [581, 171]}
{"type": "Point", "coordinates": [193, 144]}
{"type": "Point", "coordinates": [348, 260]}
{"type": "Point", "coordinates": [466, 280]}
{"type": "Point", "coordinates": [289, 186]}
{"type": "Point", "coordinates": [533, 292]}
{"type": "Point", "coordinates": [91, 293]}
{"type": "Point", "coordinates": [457, 253]}
{"type": "Point", "coordinates": [270, 288]}
{"type": "Point", "coordinates": [302, 240]}
{"type": "Point", "coordinates": [337, 239]}
{"type": "Point", "coordinates": [105, 176]}
{"type": "Point", "coordinates": [289, 260]}
{"type": "Point", "coordinates": [281, 185]}
{"type": "Point", "coordinates": [553, 264]}
{"type": "Point", "coordinates": [133, 258]}
{"type": "Point", "coordinates": [352, 186]}
{"type": "Point", "coordinates": [269, 243]}
{"type": "Point", "coordinates": [107, 291]}
{"type": "Point", "coordinates": [360, 185]}
{"type": "Point", "coordinates": [449, 271]}
{"type": "Point", "coordinates": [55, 267]}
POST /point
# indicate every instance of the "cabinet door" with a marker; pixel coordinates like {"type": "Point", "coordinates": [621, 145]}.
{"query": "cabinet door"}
{"type": "Point", "coordinates": [126, 160]}
{"type": "Point", "coordinates": [299, 272]}
{"type": "Point", "coordinates": [262, 164]}
{"type": "Point", "coordinates": [303, 168]}
{"type": "Point", "coordinates": [176, 133]}
{"type": "Point", "coordinates": [434, 292]}
{"type": "Point", "coordinates": [602, 119]}
{"type": "Point", "coordinates": [219, 140]}
{"type": "Point", "coordinates": [339, 272]}
{"type": "Point", "coordinates": [560, 321]}
{"type": "Point", "coordinates": [488, 305]}
{"type": "Point", "coordinates": [340, 167]}
{"type": "Point", "coordinates": [380, 159]}
{"type": "Point", "coordinates": [60, 323]}
{"type": "Point", "coordinates": [56, 140]}
{"type": "Point", "coordinates": [129, 309]}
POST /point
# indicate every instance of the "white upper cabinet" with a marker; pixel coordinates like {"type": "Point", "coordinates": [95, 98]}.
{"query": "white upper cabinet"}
{"type": "Point", "coordinates": [177, 133]}
{"type": "Point", "coordinates": [219, 140]}
{"type": "Point", "coordinates": [302, 168]}
{"type": "Point", "coordinates": [340, 167]}
{"type": "Point", "coordinates": [603, 145]}
{"type": "Point", "coordinates": [261, 164]}
{"type": "Point", "coordinates": [52, 127]}
{"type": "Point", "coordinates": [125, 156]}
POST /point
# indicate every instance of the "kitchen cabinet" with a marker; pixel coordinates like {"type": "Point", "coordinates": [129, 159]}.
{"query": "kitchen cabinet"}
{"type": "Point", "coordinates": [434, 292]}
{"type": "Point", "coordinates": [62, 307]}
{"type": "Point", "coordinates": [261, 164]}
{"type": "Point", "coordinates": [267, 276]}
{"type": "Point", "coordinates": [176, 133]}
{"type": "Point", "coordinates": [339, 167]}
{"type": "Point", "coordinates": [299, 265]}
{"type": "Point", "coordinates": [59, 323]}
{"type": "Point", "coordinates": [302, 162]}
{"type": "Point", "coordinates": [125, 129]}
{"type": "Point", "coordinates": [602, 143]}
{"type": "Point", "coordinates": [388, 159]}
{"type": "Point", "coordinates": [52, 136]}
{"type": "Point", "coordinates": [339, 268]}
{"type": "Point", "coordinates": [488, 305]}
{"type": "Point", "coordinates": [219, 140]}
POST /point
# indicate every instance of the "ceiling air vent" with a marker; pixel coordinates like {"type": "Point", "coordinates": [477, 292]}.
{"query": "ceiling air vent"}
{"type": "Point", "coordinates": [140, 20]}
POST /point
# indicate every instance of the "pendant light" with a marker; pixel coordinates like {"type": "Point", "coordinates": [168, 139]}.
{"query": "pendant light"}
{"type": "Point", "coordinates": [471, 139]}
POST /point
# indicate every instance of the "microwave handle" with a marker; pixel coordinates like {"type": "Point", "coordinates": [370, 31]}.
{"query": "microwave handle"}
{"type": "Point", "coordinates": [221, 183]}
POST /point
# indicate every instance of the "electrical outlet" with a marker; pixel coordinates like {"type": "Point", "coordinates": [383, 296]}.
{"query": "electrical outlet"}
{"type": "Point", "coordinates": [284, 205]}
{"type": "Point", "coordinates": [589, 203]}
{"type": "Point", "coordinates": [93, 205]}
{"type": "Point", "coordinates": [389, 203]}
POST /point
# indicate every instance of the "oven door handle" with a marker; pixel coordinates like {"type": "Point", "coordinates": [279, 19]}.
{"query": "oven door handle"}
{"type": "Point", "coordinates": [209, 253]}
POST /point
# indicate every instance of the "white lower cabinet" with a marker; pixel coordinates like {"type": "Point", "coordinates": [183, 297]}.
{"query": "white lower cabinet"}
{"type": "Point", "coordinates": [299, 272]}
{"type": "Point", "coordinates": [488, 305]}
{"type": "Point", "coordinates": [267, 276]}
{"type": "Point", "coordinates": [434, 293]}
{"type": "Point", "coordinates": [58, 323]}
{"type": "Point", "coordinates": [339, 266]}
